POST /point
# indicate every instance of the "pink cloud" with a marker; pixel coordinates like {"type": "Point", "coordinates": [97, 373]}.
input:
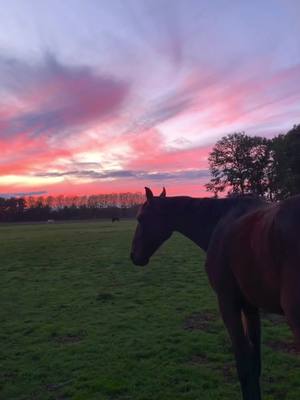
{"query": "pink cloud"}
{"type": "Point", "coordinates": [245, 102]}
{"type": "Point", "coordinates": [22, 154]}
{"type": "Point", "coordinates": [149, 152]}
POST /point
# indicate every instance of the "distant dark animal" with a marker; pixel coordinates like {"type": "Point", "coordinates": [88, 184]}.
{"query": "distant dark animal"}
{"type": "Point", "coordinates": [253, 262]}
{"type": "Point", "coordinates": [115, 219]}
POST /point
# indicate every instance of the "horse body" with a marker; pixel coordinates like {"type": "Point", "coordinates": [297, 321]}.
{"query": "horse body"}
{"type": "Point", "coordinates": [253, 262]}
{"type": "Point", "coordinates": [255, 259]}
{"type": "Point", "coordinates": [263, 248]}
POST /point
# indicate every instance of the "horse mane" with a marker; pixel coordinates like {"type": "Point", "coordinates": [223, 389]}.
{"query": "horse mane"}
{"type": "Point", "coordinates": [215, 206]}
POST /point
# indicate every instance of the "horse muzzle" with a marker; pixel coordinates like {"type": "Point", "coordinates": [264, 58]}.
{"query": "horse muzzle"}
{"type": "Point", "coordinates": [140, 261]}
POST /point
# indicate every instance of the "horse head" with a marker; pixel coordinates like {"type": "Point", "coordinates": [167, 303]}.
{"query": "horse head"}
{"type": "Point", "coordinates": [153, 228]}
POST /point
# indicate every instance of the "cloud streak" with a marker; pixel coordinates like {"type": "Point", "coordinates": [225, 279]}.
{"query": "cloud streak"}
{"type": "Point", "coordinates": [57, 97]}
{"type": "Point", "coordinates": [23, 194]}
{"type": "Point", "coordinates": [132, 174]}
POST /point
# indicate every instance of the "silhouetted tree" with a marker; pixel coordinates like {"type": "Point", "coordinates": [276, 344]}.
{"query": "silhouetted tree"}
{"type": "Point", "coordinates": [286, 166]}
{"type": "Point", "coordinates": [240, 164]}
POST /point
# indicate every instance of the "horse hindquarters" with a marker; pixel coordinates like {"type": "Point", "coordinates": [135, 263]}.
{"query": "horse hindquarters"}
{"type": "Point", "coordinates": [287, 225]}
{"type": "Point", "coordinates": [290, 295]}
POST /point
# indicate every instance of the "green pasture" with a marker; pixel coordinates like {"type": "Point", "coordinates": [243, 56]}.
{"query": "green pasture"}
{"type": "Point", "coordinates": [80, 322]}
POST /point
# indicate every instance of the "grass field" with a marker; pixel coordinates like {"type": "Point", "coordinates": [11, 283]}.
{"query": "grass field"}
{"type": "Point", "coordinates": [80, 322]}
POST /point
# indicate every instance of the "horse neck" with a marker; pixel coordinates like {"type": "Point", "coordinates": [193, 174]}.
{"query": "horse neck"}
{"type": "Point", "coordinates": [196, 218]}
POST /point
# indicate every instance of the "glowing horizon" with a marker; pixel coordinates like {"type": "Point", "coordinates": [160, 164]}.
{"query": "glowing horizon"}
{"type": "Point", "coordinates": [135, 93]}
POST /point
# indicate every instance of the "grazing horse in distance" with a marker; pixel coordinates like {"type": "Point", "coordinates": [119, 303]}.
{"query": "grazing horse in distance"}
{"type": "Point", "coordinates": [252, 262]}
{"type": "Point", "coordinates": [114, 219]}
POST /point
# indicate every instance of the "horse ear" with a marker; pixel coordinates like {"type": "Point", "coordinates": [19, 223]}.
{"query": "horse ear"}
{"type": "Point", "coordinates": [149, 194]}
{"type": "Point", "coordinates": [163, 193]}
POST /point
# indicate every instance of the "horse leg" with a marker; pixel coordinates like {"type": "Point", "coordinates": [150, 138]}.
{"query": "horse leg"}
{"type": "Point", "coordinates": [246, 353]}
{"type": "Point", "coordinates": [252, 328]}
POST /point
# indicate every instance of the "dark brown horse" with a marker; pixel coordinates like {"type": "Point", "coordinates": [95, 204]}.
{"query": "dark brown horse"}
{"type": "Point", "coordinates": [253, 262]}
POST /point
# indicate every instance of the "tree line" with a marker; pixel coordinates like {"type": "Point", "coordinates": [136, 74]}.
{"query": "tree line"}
{"type": "Point", "coordinates": [43, 208]}
{"type": "Point", "coordinates": [242, 164]}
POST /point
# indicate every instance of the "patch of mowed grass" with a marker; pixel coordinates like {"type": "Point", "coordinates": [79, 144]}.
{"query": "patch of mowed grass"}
{"type": "Point", "coordinates": [80, 322]}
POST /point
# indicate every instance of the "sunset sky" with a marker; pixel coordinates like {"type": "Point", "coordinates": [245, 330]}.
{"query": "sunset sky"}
{"type": "Point", "coordinates": [108, 96]}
